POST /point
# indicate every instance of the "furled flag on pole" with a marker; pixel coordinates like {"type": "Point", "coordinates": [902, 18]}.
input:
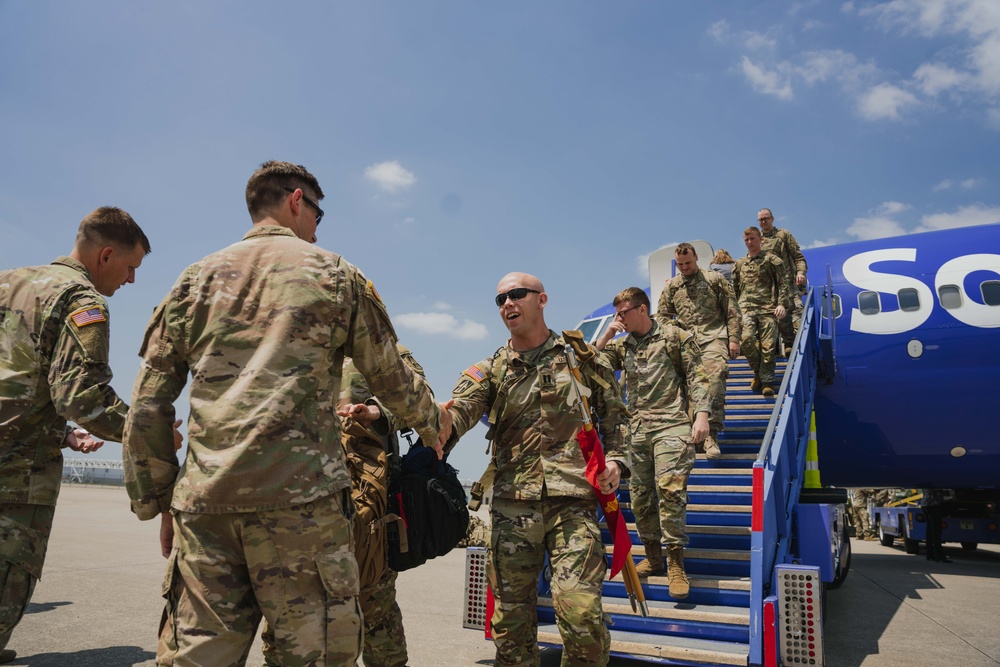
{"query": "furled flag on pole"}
{"type": "Point", "coordinates": [593, 454]}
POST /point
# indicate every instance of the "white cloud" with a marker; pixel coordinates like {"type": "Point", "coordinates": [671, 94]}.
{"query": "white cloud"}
{"type": "Point", "coordinates": [719, 31]}
{"type": "Point", "coordinates": [977, 22]}
{"type": "Point", "coordinates": [965, 216]}
{"type": "Point", "coordinates": [442, 324]}
{"type": "Point", "coordinates": [963, 61]}
{"type": "Point", "coordinates": [875, 227]}
{"type": "Point", "coordinates": [935, 78]}
{"type": "Point", "coordinates": [819, 243]}
{"type": "Point", "coordinates": [967, 184]}
{"type": "Point", "coordinates": [880, 222]}
{"type": "Point", "coordinates": [390, 176]}
{"type": "Point", "coordinates": [758, 41]}
{"type": "Point", "coordinates": [771, 82]}
{"type": "Point", "coordinates": [885, 101]}
{"type": "Point", "coordinates": [442, 305]}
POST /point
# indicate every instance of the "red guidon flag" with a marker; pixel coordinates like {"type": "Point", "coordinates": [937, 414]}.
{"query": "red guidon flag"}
{"type": "Point", "coordinates": [593, 454]}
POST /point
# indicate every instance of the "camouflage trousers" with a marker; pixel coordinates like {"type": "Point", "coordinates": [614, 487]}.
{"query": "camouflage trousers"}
{"type": "Point", "coordinates": [760, 338]}
{"type": "Point", "coordinates": [715, 359]}
{"type": "Point", "coordinates": [788, 326]}
{"type": "Point", "coordinates": [522, 532]}
{"type": "Point", "coordinates": [294, 566]}
{"type": "Point", "coordinates": [24, 538]}
{"type": "Point", "coordinates": [661, 464]}
{"type": "Point", "coordinates": [858, 509]}
{"type": "Point", "coordinates": [384, 642]}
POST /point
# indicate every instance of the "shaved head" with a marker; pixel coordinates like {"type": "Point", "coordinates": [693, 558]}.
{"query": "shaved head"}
{"type": "Point", "coordinates": [517, 279]}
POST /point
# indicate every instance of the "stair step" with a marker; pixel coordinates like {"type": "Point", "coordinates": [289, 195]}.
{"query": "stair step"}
{"type": "Point", "coordinates": [674, 650]}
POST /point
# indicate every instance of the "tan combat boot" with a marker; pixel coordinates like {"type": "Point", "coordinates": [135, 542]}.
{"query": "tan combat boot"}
{"type": "Point", "coordinates": [679, 586]}
{"type": "Point", "coordinates": [712, 450]}
{"type": "Point", "coordinates": [653, 563]}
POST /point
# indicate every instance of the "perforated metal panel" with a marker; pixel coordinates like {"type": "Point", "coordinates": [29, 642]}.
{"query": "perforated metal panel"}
{"type": "Point", "coordinates": [475, 588]}
{"type": "Point", "coordinates": [800, 615]}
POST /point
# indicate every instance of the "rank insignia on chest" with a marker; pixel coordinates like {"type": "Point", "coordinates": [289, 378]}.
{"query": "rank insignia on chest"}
{"type": "Point", "coordinates": [85, 316]}
{"type": "Point", "coordinates": [548, 380]}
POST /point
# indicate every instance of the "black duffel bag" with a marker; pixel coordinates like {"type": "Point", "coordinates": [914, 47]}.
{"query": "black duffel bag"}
{"type": "Point", "coordinates": [427, 495]}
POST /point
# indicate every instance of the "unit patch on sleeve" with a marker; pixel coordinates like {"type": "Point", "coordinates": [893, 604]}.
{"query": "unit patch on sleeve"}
{"type": "Point", "coordinates": [89, 315]}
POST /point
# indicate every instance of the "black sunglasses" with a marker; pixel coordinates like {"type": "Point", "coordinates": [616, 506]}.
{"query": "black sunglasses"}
{"type": "Point", "coordinates": [319, 211]}
{"type": "Point", "coordinates": [515, 294]}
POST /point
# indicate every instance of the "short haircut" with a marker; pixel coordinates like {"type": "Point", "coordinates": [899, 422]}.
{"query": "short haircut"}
{"type": "Point", "coordinates": [266, 187]}
{"type": "Point", "coordinates": [751, 230]}
{"type": "Point", "coordinates": [769, 214]}
{"type": "Point", "coordinates": [685, 248]}
{"type": "Point", "coordinates": [109, 225]}
{"type": "Point", "coordinates": [722, 256]}
{"type": "Point", "coordinates": [634, 295]}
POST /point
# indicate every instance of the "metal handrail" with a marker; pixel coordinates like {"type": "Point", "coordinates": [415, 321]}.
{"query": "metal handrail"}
{"type": "Point", "coordinates": [779, 469]}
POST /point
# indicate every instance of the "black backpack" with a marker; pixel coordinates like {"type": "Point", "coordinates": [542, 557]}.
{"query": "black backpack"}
{"type": "Point", "coordinates": [427, 495]}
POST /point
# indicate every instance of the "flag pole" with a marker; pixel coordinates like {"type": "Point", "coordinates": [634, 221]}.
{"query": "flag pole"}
{"type": "Point", "coordinates": [629, 575]}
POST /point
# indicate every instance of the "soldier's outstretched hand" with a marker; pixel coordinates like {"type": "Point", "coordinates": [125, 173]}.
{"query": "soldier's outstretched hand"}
{"type": "Point", "coordinates": [80, 440]}
{"type": "Point", "coordinates": [366, 415]}
{"type": "Point", "coordinates": [445, 432]}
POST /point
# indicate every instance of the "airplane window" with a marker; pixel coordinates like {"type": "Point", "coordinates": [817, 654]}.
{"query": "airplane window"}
{"type": "Point", "coordinates": [951, 296]}
{"type": "Point", "coordinates": [909, 300]}
{"type": "Point", "coordinates": [991, 292]}
{"type": "Point", "coordinates": [868, 303]}
{"type": "Point", "coordinates": [592, 328]}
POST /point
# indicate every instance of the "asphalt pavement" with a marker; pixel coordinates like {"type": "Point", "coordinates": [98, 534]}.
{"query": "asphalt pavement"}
{"type": "Point", "coordinates": [98, 603]}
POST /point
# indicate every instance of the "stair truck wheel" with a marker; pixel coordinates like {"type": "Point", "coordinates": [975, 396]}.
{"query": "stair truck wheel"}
{"type": "Point", "coordinates": [844, 563]}
{"type": "Point", "coordinates": [884, 538]}
{"type": "Point", "coordinates": [910, 546]}
{"type": "Point", "coordinates": [969, 546]}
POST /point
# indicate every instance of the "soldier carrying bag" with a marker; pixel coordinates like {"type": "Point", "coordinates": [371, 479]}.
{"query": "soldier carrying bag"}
{"type": "Point", "coordinates": [430, 500]}
{"type": "Point", "coordinates": [367, 461]}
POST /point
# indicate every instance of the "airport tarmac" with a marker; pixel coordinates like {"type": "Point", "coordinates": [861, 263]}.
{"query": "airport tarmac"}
{"type": "Point", "coordinates": [98, 603]}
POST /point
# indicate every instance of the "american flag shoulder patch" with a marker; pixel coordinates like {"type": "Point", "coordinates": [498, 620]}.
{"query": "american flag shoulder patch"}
{"type": "Point", "coordinates": [475, 373]}
{"type": "Point", "coordinates": [85, 316]}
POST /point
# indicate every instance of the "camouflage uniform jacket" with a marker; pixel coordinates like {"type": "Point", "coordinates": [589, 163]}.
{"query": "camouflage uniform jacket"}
{"type": "Point", "coordinates": [263, 326]}
{"type": "Point", "coordinates": [537, 418]}
{"type": "Point", "coordinates": [703, 304]}
{"type": "Point", "coordinates": [783, 244]}
{"type": "Point", "coordinates": [760, 283]}
{"type": "Point", "coordinates": [54, 336]}
{"type": "Point", "coordinates": [658, 394]}
{"type": "Point", "coordinates": [355, 390]}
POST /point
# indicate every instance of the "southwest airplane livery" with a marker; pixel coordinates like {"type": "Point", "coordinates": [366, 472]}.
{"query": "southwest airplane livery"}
{"type": "Point", "coordinates": [911, 397]}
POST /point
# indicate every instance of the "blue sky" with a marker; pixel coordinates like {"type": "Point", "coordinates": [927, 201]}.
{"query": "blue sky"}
{"type": "Point", "coordinates": [458, 141]}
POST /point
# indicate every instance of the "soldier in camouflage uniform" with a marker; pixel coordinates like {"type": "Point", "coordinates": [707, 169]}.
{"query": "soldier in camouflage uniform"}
{"type": "Point", "coordinates": [781, 243]}
{"type": "Point", "coordinates": [703, 303]}
{"type": "Point", "coordinates": [762, 292]}
{"type": "Point", "coordinates": [665, 383]}
{"type": "Point", "coordinates": [542, 501]}
{"type": "Point", "coordinates": [858, 508]}
{"type": "Point", "coordinates": [384, 639]}
{"type": "Point", "coordinates": [54, 339]}
{"type": "Point", "coordinates": [261, 507]}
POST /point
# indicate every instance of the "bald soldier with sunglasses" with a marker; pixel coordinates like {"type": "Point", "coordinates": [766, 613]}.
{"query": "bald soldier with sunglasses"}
{"type": "Point", "coordinates": [542, 501]}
